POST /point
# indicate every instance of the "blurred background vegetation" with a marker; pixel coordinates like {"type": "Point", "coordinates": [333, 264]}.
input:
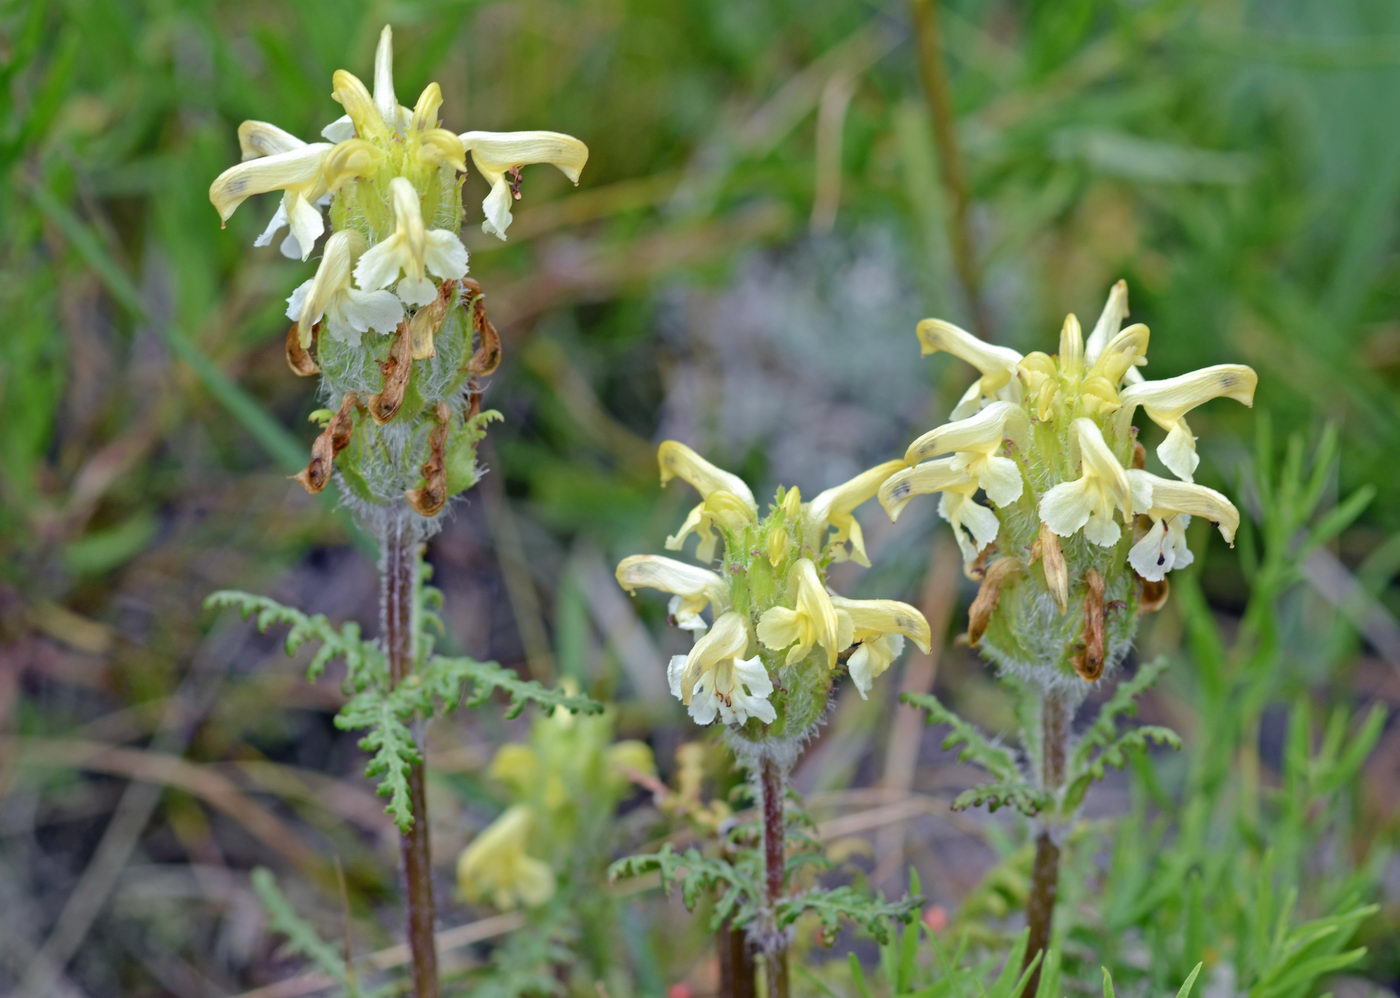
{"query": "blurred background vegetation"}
{"type": "Point", "coordinates": [768, 211]}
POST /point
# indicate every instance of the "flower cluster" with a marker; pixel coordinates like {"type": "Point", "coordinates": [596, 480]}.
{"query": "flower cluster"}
{"type": "Point", "coordinates": [390, 180]}
{"type": "Point", "coordinates": [764, 662]}
{"type": "Point", "coordinates": [1050, 442]}
{"type": "Point", "coordinates": [563, 784]}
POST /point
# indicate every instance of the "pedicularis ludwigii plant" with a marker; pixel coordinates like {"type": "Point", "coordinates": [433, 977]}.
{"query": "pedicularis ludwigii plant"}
{"type": "Point", "coordinates": [1075, 544]}
{"type": "Point", "coordinates": [764, 666]}
{"type": "Point", "coordinates": [399, 336]}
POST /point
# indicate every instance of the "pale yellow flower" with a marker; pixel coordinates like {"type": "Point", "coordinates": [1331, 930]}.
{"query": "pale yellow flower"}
{"type": "Point", "coordinates": [879, 626]}
{"type": "Point", "coordinates": [812, 622]}
{"type": "Point", "coordinates": [499, 155]}
{"type": "Point", "coordinates": [346, 311]}
{"type": "Point", "coordinates": [834, 509]}
{"type": "Point", "coordinates": [1090, 501]}
{"type": "Point", "coordinates": [413, 250]}
{"type": "Point", "coordinates": [1167, 402]}
{"type": "Point", "coordinates": [496, 867]}
{"type": "Point", "coordinates": [997, 364]}
{"type": "Point", "coordinates": [692, 589]}
{"type": "Point", "coordinates": [1170, 505]}
{"type": "Point", "coordinates": [725, 499]}
{"type": "Point", "coordinates": [720, 679]}
{"type": "Point", "coordinates": [976, 443]}
{"type": "Point", "coordinates": [288, 165]}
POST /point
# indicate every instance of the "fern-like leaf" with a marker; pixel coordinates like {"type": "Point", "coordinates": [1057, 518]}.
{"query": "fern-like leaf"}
{"type": "Point", "coordinates": [846, 904]}
{"type": "Point", "coordinates": [735, 883]}
{"type": "Point", "coordinates": [389, 739]}
{"type": "Point", "coordinates": [447, 679]}
{"type": "Point", "coordinates": [1115, 754]}
{"type": "Point", "coordinates": [1016, 793]}
{"type": "Point", "coordinates": [976, 747]}
{"type": "Point", "coordinates": [364, 663]}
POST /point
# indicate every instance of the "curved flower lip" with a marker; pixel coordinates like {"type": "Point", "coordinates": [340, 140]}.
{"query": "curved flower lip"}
{"type": "Point", "coordinates": [922, 479]}
{"type": "Point", "coordinates": [844, 498]}
{"type": "Point", "coordinates": [332, 277]}
{"type": "Point", "coordinates": [496, 154]}
{"type": "Point", "coordinates": [812, 622]}
{"type": "Point", "coordinates": [1160, 498]}
{"type": "Point", "coordinates": [997, 364]}
{"type": "Point", "coordinates": [885, 616]}
{"type": "Point", "coordinates": [260, 138]}
{"type": "Point", "coordinates": [1090, 501]}
{"type": "Point", "coordinates": [715, 678]}
{"type": "Point", "coordinates": [672, 576]}
{"type": "Point", "coordinates": [676, 460]}
{"type": "Point", "coordinates": [295, 168]}
{"type": "Point", "coordinates": [1122, 355]}
{"type": "Point", "coordinates": [983, 431]}
{"type": "Point", "coordinates": [364, 113]}
{"type": "Point", "coordinates": [1166, 403]}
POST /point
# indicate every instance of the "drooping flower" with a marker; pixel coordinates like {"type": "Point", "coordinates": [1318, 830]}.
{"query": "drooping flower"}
{"type": "Point", "coordinates": [1170, 505]}
{"type": "Point", "coordinates": [692, 589]}
{"type": "Point", "coordinates": [1167, 402]}
{"type": "Point", "coordinates": [976, 443]}
{"type": "Point", "coordinates": [1090, 501]}
{"type": "Point", "coordinates": [834, 509]}
{"type": "Point", "coordinates": [812, 622]}
{"type": "Point", "coordinates": [294, 168]}
{"type": "Point", "coordinates": [997, 364]}
{"type": "Point", "coordinates": [879, 627]}
{"type": "Point", "coordinates": [725, 500]}
{"type": "Point", "coordinates": [500, 155]}
{"type": "Point", "coordinates": [412, 250]}
{"type": "Point", "coordinates": [719, 678]}
{"type": "Point", "coordinates": [346, 311]}
{"type": "Point", "coordinates": [496, 868]}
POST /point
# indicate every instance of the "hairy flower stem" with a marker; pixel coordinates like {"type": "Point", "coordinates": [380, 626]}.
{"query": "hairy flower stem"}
{"type": "Point", "coordinates": [736, 966]}
{"type": "Point", "coordinates": [1045, 873]}
{"type": "Point", "coordinates": [399, 581]}
{"type": "Point", "coordinates": [772, 780]}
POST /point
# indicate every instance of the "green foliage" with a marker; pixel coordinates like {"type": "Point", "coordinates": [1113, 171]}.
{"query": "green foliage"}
{"type": "Point", "coordinates": [737, 884]}
{"type": "Point", "coordinates": [303, 939]}
{"type": "Point", "coordinates": [976, 747]}
{"type": "Point", "coordinates": [1102, 746]}
{"type": "Point", "coordinates": [385, 711]}
{"type": "Point", "coordinates": [835, 906]}
{"type": "Point", "coordinates": [1018, 794]}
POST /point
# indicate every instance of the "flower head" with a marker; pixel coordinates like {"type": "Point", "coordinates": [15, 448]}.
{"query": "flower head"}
{"type": "Point", "coordinates": [1049, 440]}
{"type": "Point", "coordinates": [718, 677]}
{"type": "Point", "coordinates": [328, 296]}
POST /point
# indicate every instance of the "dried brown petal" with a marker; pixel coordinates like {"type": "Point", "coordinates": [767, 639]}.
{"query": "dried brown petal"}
{"type": "Point", "coordinates": [980, 614]}
{"type": "Point", "coordinates": [1139, 455]}
{"type": "Point", "coordinates": [1088, 660]}
{"type": "Point", "coordinates": [396, 369]}
{"type": "Point", "coordinates": [488, 342]}
{"type": "Point", "coordinates": [473, 401]}
{"type": "Point", "coordinates": [331, 441]}
{"type": "Point", "coordinates": [428, 319]}
{"type": "Point", "coordinates": [430, 499]}
{"type": "Point", "coordinates": [1052, 559]}
{"type": "Point", "coordinates": [299, 358]}
{"type": "Point", "coordinates": [1152, 595]}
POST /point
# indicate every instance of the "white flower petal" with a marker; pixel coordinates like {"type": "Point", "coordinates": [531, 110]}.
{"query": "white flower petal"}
{"type": "Point", "coordinates": [1102, 529]}
{"type": "Point", "coordinates": [377, 267]}
{"type": "Point", "coordinates": [372, 310]}
{"type": "Point", "coordinates": [444, 255]}
{"type": "Point", "coordinates": [1066, 507]}
{"type": "Point", "coordinates": [1178, 451]}
{"type": "Point", "coordinates": [305, 222]}
{"type": "Point", "coordinates": [416, 291]}
{"type": "Point", "coordinates": [1000, 478]}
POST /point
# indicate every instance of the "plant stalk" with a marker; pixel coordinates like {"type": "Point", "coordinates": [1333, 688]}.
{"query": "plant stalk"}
{"type": "Point", "coordinates": [773, 790]}
{"type": "Point", "coordinates": [399, 583]}
{"type": "Point", "coordinates": [1045, 872]}
{"type": "Point", "coordinates": [950, 163]}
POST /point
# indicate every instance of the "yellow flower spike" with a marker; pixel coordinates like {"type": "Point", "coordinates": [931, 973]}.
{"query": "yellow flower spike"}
{"type": "Point", "coordinates": [996, 364]}
{"type": "Point", "coordinates": [1115, 310]}
{"type": "Point", "coordinates": [1071, 348]}
{"type": "Point", "coordinates": [297, 173]}
{"type": "Point", "coordinates": [413, 250]}
{"type": "Point", "coordinates": [1170, 505]}
{"type": "Point", "coordinates": [792, 501]}
{"type": "Point", "coordinates": [676, 460]}
{"type": "Point", "coordinates": [498, 154]}
{"type": "Point", "coordinates": [880, 626]}
{"type": "Point", "coordinates": [922, 479]}
{"type": "Point", "coordinates": [1167, 402]}
{"type": "Point", "coordinates": [692, 588]}
{"type": "Point", "coordinates": [717, 680]}
{"type": "Point", "coordinates": [496, 868]}
{"type": "Point", "coordinates": [977, 441]}
{"type": "Point", "coordinates": [814, 621]}
{"type": "Point", "coordinates": [360, 107]}
{"type": "Point", "coordinates": [1090, 501]}
{"type": "Point", "coordinates": [834, 508]}
{"type": "Point", "coordinates": [347, 312]}
{"type": "Point", "coordinates": [350, 160]}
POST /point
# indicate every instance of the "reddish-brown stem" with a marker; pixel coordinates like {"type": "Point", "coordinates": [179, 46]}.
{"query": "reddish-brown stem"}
{"type": "Point", "coordinates": [773, 789]}
{"type": "Point", "coordinates": [1045, 872]}
{"type": "Point", "coordinates": [399, 578]}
